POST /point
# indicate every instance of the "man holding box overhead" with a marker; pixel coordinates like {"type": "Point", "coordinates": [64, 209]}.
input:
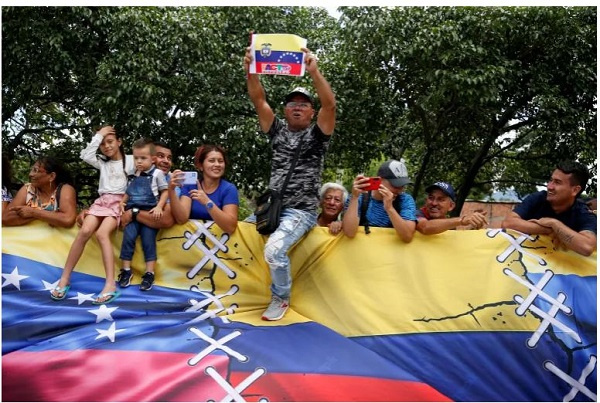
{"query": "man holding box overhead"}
{"type": "Point", "coordinates": [301, 196]}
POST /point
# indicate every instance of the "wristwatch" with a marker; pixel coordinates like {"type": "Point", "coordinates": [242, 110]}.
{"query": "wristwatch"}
{"type": "Point", "coordinates": [134, 213]}
{"type": "Point", "coordinates": [210, 205]}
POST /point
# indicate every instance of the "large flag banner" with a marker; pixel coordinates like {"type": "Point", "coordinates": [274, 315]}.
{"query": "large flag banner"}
{"type": "Point", "coordinates": [277, 54]}
{"type": "Point", "coordinates": [487, 315]}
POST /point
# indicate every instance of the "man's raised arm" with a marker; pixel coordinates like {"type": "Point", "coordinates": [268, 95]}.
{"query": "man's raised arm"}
{"type": "Point", "coordinates": [326, 116]}
{"type": "Point", "coordinates": [258, 96]}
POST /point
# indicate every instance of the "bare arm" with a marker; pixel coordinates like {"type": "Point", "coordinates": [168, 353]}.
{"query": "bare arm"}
{"type": "Point", "coordinates": [432, 227]}
{"type": "Point", "coordinates": [583, 242]}
{"type": "Point", "coordinates": [10, 216]}
{"type": "Point", "coordinates": [162, 201]}
{"type": "Point", "coordinates": [166, 221]}
{"type": "Point", "coordinates": [19, 214]}
{"type": "Point", "coordinates": [123, 203]}
{"type": "Point", "coordinates": [258, 96]}
{"type": "Point", "coordinates": [67, 213]}
{"type": "Point", "coordinates": [351, 217]}
{"type": "Point", "coordinates": [404, 228]}
{"type": "Point", "coordinates": [475, 220]}
{"type": "Point", "coordinates": [180, 206]}
{"type": "Point", "coordinates": [157, 211]}
{"type": "Point", "coordinates": [88, 154]}
{"type": "Point", "coordinates": [514, 221]}
{"type": "Point", "coordinates": [226, 218]}
{"type": "Point", "coordinates": [326, 116]}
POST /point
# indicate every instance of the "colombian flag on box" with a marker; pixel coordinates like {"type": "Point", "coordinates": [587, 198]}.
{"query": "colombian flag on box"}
{"type": "Point", "coordinates": [279, 54]}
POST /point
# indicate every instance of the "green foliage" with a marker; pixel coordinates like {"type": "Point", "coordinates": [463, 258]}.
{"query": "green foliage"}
{"type": "Point", "coordinates": [483, 97]}
{"type": "Point", "coordinates": [487, 98]}
{"type": "Point", "coordinates": [246, 208]}
{"type": "Point", "coordinates": [173, 74]}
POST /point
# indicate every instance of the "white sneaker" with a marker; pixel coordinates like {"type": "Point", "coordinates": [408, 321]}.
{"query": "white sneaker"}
{"type": "Point", "coordinates": [276, 309]}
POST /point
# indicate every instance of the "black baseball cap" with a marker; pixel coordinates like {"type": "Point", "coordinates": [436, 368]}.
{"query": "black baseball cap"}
{"type": "Point", "coordinates": [395, 172]}
{"type": "Point", "coordinates": [299, 91]}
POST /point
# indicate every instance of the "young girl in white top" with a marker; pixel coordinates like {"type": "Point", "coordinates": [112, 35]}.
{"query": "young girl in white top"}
{"type": "Point", "coordinates": [104, 215]}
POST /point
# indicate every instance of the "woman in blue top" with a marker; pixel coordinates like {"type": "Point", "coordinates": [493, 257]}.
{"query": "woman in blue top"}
{"type": "Point", "coordinates": [213, 198]}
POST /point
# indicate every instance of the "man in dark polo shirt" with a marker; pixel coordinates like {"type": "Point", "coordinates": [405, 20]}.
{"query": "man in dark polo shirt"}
{"type": "Point", "coordinates": [558, 212]}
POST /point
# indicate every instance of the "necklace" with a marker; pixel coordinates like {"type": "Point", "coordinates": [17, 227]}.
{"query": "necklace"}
{"type": "Point", "coordinates": [209, 188]}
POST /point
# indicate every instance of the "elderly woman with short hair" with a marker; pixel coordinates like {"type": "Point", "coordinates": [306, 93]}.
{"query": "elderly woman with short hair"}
{"type": "Point", "coordinates": [332, 197]}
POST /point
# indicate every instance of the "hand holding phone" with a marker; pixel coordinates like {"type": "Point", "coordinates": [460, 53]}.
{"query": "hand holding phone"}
{"type": "Point", "coordinates": [190, 182]}
{"type": "Point", "coordinates": [374, 183]}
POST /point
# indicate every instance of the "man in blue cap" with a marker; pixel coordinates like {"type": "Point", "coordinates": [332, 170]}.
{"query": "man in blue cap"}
{"type": "Point", "coordinates": [441, 199]}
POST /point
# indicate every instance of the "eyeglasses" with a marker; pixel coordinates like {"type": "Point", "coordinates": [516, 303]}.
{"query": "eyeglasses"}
{"type": "Point", "coordinates": [37, 170]}
{"type": "Point", "coordinates": [301, 105]}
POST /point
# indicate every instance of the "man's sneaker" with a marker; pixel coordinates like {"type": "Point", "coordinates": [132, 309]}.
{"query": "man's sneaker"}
{"type": "Point", "coordinates": [124, 278]}
{"type": "Point", "coordinates": [276, 308]}
{"type": "Point", "coordinates": [147, 281]}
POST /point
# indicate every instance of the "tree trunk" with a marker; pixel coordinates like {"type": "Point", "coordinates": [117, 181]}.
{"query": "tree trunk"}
{"type": "Point", "coordinates": [476, 163]}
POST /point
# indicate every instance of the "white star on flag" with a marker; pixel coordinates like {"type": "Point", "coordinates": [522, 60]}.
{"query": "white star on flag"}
{"type": "Point", "coordinates": [110, 332]}
{"type": "Point", "coordinates": [81, 298]}
{"type": "Point", "coordinates": [50, 286]}
{"type": "Point", "coordinates": [103, 313]}
{"type": "Point", "coordinates": [13, 278]}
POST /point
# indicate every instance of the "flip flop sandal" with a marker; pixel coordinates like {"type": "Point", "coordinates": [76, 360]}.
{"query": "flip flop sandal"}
{"type": "Point", "coordinates": [113, 295]}
{"type": "Point", "coordinates": [61, 291]}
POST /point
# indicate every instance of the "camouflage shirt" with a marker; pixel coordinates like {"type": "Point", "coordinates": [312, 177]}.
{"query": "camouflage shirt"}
{"type": "Point", "coordinates": [302, 191]}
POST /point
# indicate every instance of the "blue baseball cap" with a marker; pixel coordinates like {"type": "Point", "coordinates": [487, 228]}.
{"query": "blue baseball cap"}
{"type": "Point", "coordinates": [444, 187]}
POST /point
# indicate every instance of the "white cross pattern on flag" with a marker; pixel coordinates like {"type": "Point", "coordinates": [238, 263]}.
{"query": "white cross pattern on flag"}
{"type": "Point", "coordinates": [577, 385]}
{"type": "Point", "coordinates": [209, 254]}
{"type": "Point", "coordinates": [234, 393]}
{"type": "Point", "coordinates": [515, 245]}
{"type": "Point", "coordinates": [216, 345]}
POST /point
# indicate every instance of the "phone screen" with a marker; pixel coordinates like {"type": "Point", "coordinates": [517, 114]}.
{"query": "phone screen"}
{"type": "Point", "coordinates": [190, 182]}
{"type": "Point", "coordinates": [190, 178]}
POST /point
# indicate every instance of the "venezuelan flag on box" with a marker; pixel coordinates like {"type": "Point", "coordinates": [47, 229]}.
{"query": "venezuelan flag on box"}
{"type": "Point", "coordinates": [278, 54]}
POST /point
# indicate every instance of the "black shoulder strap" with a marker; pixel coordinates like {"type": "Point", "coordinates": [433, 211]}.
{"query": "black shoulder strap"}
{"type": "Point", "coordinates": [58, 189]}
{"type": "Point", "coordinates": [396, 203]}
{"type": "Point", "coordinates": [292, 166]}
{"type": "Point", "coordinates": [364, 205]}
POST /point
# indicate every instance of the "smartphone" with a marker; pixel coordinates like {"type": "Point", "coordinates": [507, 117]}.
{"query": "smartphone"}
{"type": "Point", "coordinates": [190, 178]}
{"type": "Point", "coordinates": [190, 182]}
{"type": "Point", "coordinates": [374, 183]}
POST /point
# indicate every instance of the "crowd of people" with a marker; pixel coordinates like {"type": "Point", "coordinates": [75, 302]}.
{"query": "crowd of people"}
{"type": "Point", "coordinates": [140, 194]}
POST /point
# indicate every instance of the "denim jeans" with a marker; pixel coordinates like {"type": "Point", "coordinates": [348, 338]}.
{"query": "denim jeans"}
{"type": "Point", "coordinates": [139, 190]}
{"type": "Point", "coordinates": [293, 226]}
{"type": "Point", "coordinates": [148, 237]}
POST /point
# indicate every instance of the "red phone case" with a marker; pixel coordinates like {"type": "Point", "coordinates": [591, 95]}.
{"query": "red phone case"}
{"type": "Point", "coordinates": [374, 183]}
